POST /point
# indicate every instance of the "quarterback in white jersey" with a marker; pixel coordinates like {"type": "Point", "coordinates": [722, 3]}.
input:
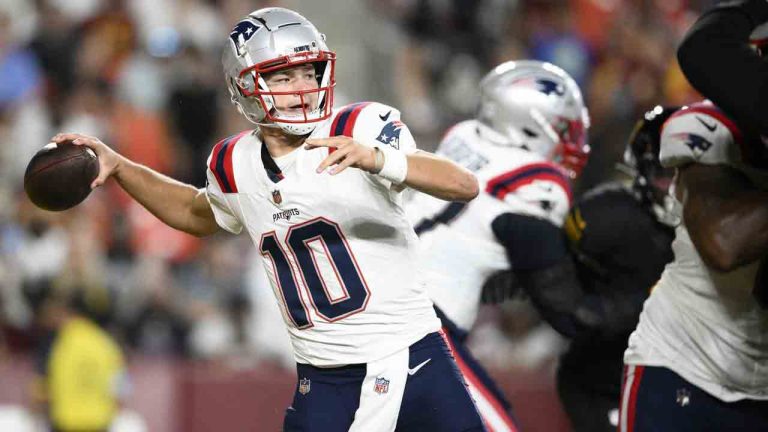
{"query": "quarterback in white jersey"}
{"type": "Point", "coordinates": [702, 332]}
{"type": "Point", "coordinates": [319, 191]}
{"type": "Point", "coordinates": [526, 145]}
{"type": "Point", "coordinates": [339, 251]}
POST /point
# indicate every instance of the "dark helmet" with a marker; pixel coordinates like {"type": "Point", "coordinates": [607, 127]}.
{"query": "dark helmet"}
{"type": "Point", "coordinates": [651, 180]}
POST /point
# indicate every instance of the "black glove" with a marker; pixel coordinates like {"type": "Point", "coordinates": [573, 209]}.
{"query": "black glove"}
{"type": "Point", "coordinates": [499, 287]}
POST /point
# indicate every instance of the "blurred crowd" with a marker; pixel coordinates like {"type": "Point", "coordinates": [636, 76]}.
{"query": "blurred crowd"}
{"type": "Point", "coordinates": [144, 76]}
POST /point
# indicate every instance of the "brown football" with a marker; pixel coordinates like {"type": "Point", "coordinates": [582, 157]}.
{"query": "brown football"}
{"type": "Point", "coordinates": [59, 176]}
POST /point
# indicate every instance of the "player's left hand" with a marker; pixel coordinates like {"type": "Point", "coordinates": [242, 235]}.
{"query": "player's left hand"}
{"type": "Point", "coordinates": [348, 153]}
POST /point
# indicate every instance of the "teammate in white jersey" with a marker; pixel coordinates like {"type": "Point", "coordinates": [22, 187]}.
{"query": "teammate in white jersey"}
{"type": "Point", "coordinates": [526, 144]}
{"type": "Point", "coordinates": [698, 359]}
{"type": "Point", "coordinates": [338, 249]}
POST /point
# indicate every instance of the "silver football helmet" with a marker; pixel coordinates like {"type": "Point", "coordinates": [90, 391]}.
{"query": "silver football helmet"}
{"type": "Point", "coordinates": [538, 107]}
{"type": "Point", "coordinates": [272, 39]}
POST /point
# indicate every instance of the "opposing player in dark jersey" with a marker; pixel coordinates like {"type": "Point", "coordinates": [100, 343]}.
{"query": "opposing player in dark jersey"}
{"type": "Point", "coordinates": [619, 239]}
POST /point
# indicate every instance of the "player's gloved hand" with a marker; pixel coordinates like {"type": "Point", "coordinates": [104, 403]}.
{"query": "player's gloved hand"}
{"type": "Point", "coordinates": [499, 287]}
{"type": "Point", "coordinates": [348, 153]}
{"type": "Point", "coordinates": [109, 160]}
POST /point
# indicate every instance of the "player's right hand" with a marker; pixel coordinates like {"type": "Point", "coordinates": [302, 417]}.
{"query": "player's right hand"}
{"type": "Point", "coordinates": [109, 160]}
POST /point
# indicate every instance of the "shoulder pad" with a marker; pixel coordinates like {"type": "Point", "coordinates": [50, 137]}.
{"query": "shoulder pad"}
{"type": "Point", "coordinates": [508, 182]}
{"type": "Point", "coordinates": [700, 133]}
{"type": "Point", "coordinates": [372, 123]}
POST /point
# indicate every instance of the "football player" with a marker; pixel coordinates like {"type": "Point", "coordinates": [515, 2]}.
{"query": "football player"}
{"type": "Point", "coordinates": [698, 359]}
{"type": "Point", "coordinates": [620, 240]}
{"type": "Point", "coordinates": [319, 191]}
{"type": "Point", "coordinates": [526, 144]}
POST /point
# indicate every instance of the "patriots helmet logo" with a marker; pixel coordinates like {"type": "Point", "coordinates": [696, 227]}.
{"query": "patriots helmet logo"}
{"type": "Point", "coordinates": [390, 134]}
{"type": "Point", "coordinates": [241, 34]}
{"type": "Point", "coordinates": [697, 143]}
{"type": "Point", "coordinates": [543, 85]}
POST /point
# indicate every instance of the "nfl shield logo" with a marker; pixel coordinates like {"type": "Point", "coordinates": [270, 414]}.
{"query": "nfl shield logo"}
{"type": "Point", "coordinates": [276, 197]}
{"type": "Point", "coordinates": [304, 386]}
{"type": "Point", "coordinates": [381, 385]}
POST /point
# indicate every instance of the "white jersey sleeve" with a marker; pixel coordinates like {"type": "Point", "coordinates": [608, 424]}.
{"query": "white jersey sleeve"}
{"type": "Point", "coordinates": [377, 125]}
{"type": "Point", "coordinates": [541, 189]}
{"type": "Point", "coordinates": [699, 133]}
{"type": "Point", "coordinates": [221, 190]}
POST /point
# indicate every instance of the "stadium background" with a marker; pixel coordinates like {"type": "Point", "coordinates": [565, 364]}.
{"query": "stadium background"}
{"type": "Point", "coordinates": [203, 338]}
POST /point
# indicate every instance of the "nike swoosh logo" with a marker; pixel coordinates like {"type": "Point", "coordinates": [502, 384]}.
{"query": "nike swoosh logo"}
{"type": "Point", "coordinates": [418, 366]}
{"type": "Point", "coordinates": [710, 127]}
{"type": "Point", "coordinates": [385, 116]}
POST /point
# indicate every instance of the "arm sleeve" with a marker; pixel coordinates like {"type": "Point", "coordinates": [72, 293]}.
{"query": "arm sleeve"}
{"type": "Point", "coordinates": [717, 60]}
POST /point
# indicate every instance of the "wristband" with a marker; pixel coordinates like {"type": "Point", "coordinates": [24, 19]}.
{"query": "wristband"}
{"type": "Point", "coordinates": [378, 160]}
{"type": "Point", "coordinates": [395, 166]}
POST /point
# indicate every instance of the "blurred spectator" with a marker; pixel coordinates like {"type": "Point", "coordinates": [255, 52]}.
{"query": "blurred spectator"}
{"type": "Point", "coordinates": [448, 47]}
{"type": "Point", "coordinates": [552, 38]}
{"type": "Point", "coordinates": [155, 319]}
{"type": "Point", "coordinates": [194, 106]}
{"type": "Point", "coordinates": [82, 376]}
{"type": "Point", "coordinates": [23, 120]}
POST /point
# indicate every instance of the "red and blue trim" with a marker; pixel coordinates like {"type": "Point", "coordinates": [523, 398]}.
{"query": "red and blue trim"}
{"type": "Point", "coordinates": [714, 112]}
{"type": "Point", "coordinates": [633, 375]}
{"type": "Point", "coordinates": [221, 162]}
{"type": "Point", "coordinates": [344, 123]}
{"type": "Point", "coordinates": [509, 182]}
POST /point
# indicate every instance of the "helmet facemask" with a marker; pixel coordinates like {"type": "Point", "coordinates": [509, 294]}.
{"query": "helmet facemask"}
{"type": "Point", "coordinates": [652, 181]}
{"type": "Point", "coordinates": [572, 150]}
{"type": "Point", "coordinates": [314, 104]}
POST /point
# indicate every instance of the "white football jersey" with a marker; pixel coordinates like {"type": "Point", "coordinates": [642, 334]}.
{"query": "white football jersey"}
{"type": "Point", "coordinates": [338, 249]}
{"type": "Point", "coordinates": [705, 325]}
{"type": "Point", "coordinates": [459, 249]}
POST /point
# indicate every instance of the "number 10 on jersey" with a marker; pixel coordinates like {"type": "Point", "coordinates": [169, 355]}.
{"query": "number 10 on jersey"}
{"type": "Point", "coordinates": [332, 244]}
